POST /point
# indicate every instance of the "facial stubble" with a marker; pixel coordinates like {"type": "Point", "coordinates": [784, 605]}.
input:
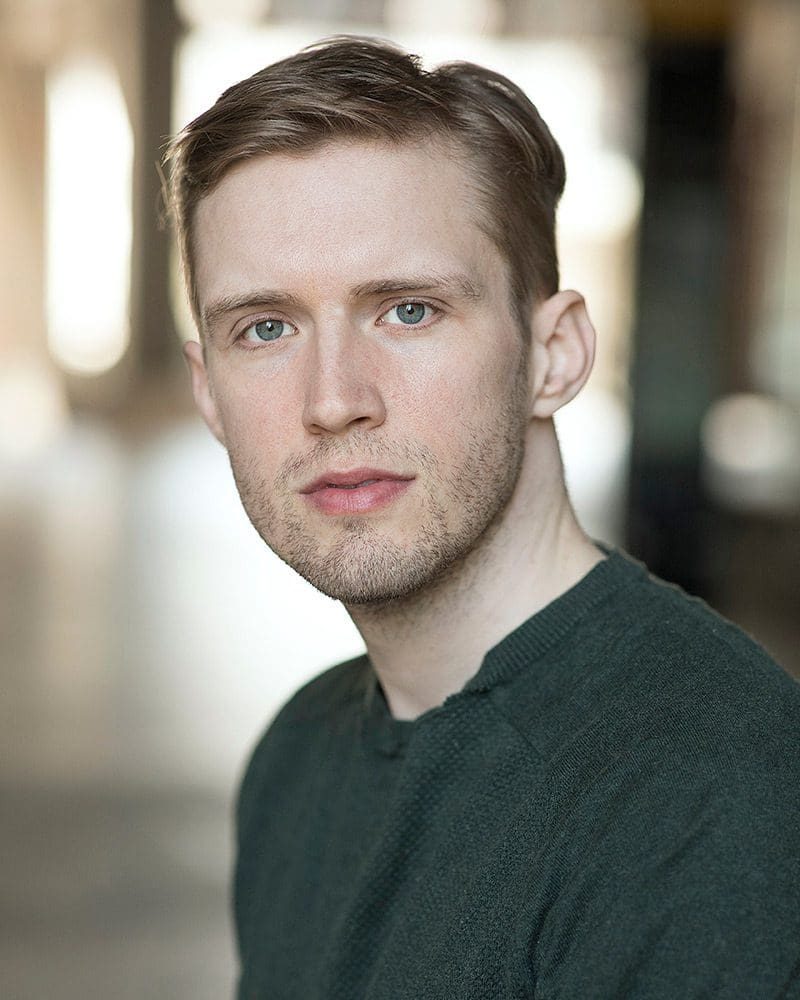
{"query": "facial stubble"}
{"type": "Point", "coordinates": [363, 564]}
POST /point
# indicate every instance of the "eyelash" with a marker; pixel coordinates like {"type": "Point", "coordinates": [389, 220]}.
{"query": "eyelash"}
{"type": "Point", "coordinates": [268, 317]}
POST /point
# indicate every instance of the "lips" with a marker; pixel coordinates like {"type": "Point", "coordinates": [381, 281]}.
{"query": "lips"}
{"type": "Point", "coordinates": [350, 486]}
{"type": "Point", "coordinates": [351, 479]}
{"type": "Point", "coordinates": [355, 491]}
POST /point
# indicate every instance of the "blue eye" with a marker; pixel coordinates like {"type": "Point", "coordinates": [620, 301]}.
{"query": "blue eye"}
{"type": "Point", "coordinates": [408, 313]}
{"type": "Point", "coordinates": [411, 312]}
{"type": "Point", "coordinates": [264, 330]}
{"type": "Point", "coordinates": [268, 329]}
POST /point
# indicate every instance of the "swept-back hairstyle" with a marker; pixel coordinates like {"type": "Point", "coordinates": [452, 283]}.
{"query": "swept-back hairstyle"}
{"type": "Point", "coordinates": [362, 89]}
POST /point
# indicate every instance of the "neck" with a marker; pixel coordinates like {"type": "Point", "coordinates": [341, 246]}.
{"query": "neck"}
{"type": "Point", "coordinates": [428, 645]}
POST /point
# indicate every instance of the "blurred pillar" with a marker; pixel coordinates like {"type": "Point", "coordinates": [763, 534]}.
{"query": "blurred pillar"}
{"type": "Point", "coordinates": [678, 340]}
{"type": "Point", "coordinates": [154, 338]}
{"type": "Point", "coordinates": [137, 38]}
{"type": "Point", "coordinates": [32, 402]}
{"type": "Point", "coordinates": [22, 329]}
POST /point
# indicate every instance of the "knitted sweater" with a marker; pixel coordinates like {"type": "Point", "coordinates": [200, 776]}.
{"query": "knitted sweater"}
{"type": "Point", "coordinates": [610, 808]}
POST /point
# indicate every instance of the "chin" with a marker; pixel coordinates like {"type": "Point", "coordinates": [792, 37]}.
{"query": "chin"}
{"type": "Point", "coordinates": [365, 572]}
{"type": "Point", "coordinates": [381, 579]}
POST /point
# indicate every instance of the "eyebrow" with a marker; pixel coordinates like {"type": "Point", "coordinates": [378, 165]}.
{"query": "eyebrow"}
{"type": "Point", "coordinates": [261, 299]}
{"type": "Point", "coordinates": [455, 283]}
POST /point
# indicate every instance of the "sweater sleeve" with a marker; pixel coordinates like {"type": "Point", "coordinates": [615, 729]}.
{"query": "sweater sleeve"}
{"type": "Point", "coordinates": [678, 879]}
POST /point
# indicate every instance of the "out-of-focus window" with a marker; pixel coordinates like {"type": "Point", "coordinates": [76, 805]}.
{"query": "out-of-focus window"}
{"type": "Point", "coordinates": [88, 216]}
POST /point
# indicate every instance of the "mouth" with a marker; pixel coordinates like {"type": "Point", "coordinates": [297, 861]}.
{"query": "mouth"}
{"type": "Point", "coordinates": [355, 491]}
{"type": "Point", "coordinates": [353, 480]}
{"type": "Point", "coordinates": [350, 486]}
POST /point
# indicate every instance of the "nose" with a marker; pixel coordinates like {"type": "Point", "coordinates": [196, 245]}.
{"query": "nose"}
{"type": "Point", "coordinates": [341, 387]}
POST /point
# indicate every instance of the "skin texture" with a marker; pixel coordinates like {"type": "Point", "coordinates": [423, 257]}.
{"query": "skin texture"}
{"type": "Point", "coordinates": [456, 406]}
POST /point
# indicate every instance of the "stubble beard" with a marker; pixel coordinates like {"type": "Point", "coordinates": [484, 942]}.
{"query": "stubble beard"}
{"type": "Point", "coordinates": [364, 565]}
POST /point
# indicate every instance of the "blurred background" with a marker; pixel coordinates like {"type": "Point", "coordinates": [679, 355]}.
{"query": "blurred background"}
{"type": "Point", "coordinates": [147, 634]}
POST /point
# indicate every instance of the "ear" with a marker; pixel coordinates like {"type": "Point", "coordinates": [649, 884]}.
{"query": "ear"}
{"type": "Point", "coordinates": [201, 390]}
{"type": "Point", "coordinates": [563, 352]}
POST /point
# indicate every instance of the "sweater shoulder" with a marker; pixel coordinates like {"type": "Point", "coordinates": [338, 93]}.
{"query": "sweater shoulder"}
{"type": "Point", "coordinates": [327, 704]}
{"type": "Point", "coordinates": [652, 659]}
{"type": "Point", "coordinates": [327, 694]}
{"type": "Point", "coordinates": [336, 693]}
{"type": "Point", "coordinates": [686, 646]}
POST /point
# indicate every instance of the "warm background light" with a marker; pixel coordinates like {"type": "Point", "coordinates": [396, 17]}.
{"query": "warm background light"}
{"type": "Point", "coordinates": [32, 409]}
{"type": "Point", "coordinates": [88, 178]}
{"type": "Point", "coordinates": [751, 453]}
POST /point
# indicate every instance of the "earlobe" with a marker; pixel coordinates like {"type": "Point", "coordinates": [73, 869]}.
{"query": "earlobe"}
{"type": "Point", "coordinates": [563, 352]}
{"type": "Point", "coordinates": [201, 390]}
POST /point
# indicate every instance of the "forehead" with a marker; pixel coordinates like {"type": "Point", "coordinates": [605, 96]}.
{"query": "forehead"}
{"type": "Point", "coordinates": [341, 214]}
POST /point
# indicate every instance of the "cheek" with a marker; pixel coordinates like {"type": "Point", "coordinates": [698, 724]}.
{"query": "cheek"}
{"type": "Point", "coordinates": [473, 389]}
{"type": "Point", "coordinates": [450, 399]}
{"type": "Point", "coordinates": [447, 416]}
{"type": "Point", "coordinates": [255, 418]}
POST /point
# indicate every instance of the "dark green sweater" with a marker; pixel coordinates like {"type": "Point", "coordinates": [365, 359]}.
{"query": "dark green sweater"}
{"type": "Point", "coordinates": [610, 808]}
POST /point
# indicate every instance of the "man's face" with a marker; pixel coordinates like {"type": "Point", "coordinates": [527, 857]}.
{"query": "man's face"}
{"type": "Point", "coordinates": [362, 365]}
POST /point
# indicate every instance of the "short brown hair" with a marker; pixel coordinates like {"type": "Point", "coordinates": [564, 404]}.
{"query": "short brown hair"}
{"type": "Point", "coordinates": [357, 88]}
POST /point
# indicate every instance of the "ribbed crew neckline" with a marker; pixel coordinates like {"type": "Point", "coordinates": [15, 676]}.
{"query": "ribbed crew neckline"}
{"type": "Point", "coordinates": [517, 651]}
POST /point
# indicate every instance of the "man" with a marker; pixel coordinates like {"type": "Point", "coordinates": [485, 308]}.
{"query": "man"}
{"type": "Point", "coordinates": [551, 776]}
